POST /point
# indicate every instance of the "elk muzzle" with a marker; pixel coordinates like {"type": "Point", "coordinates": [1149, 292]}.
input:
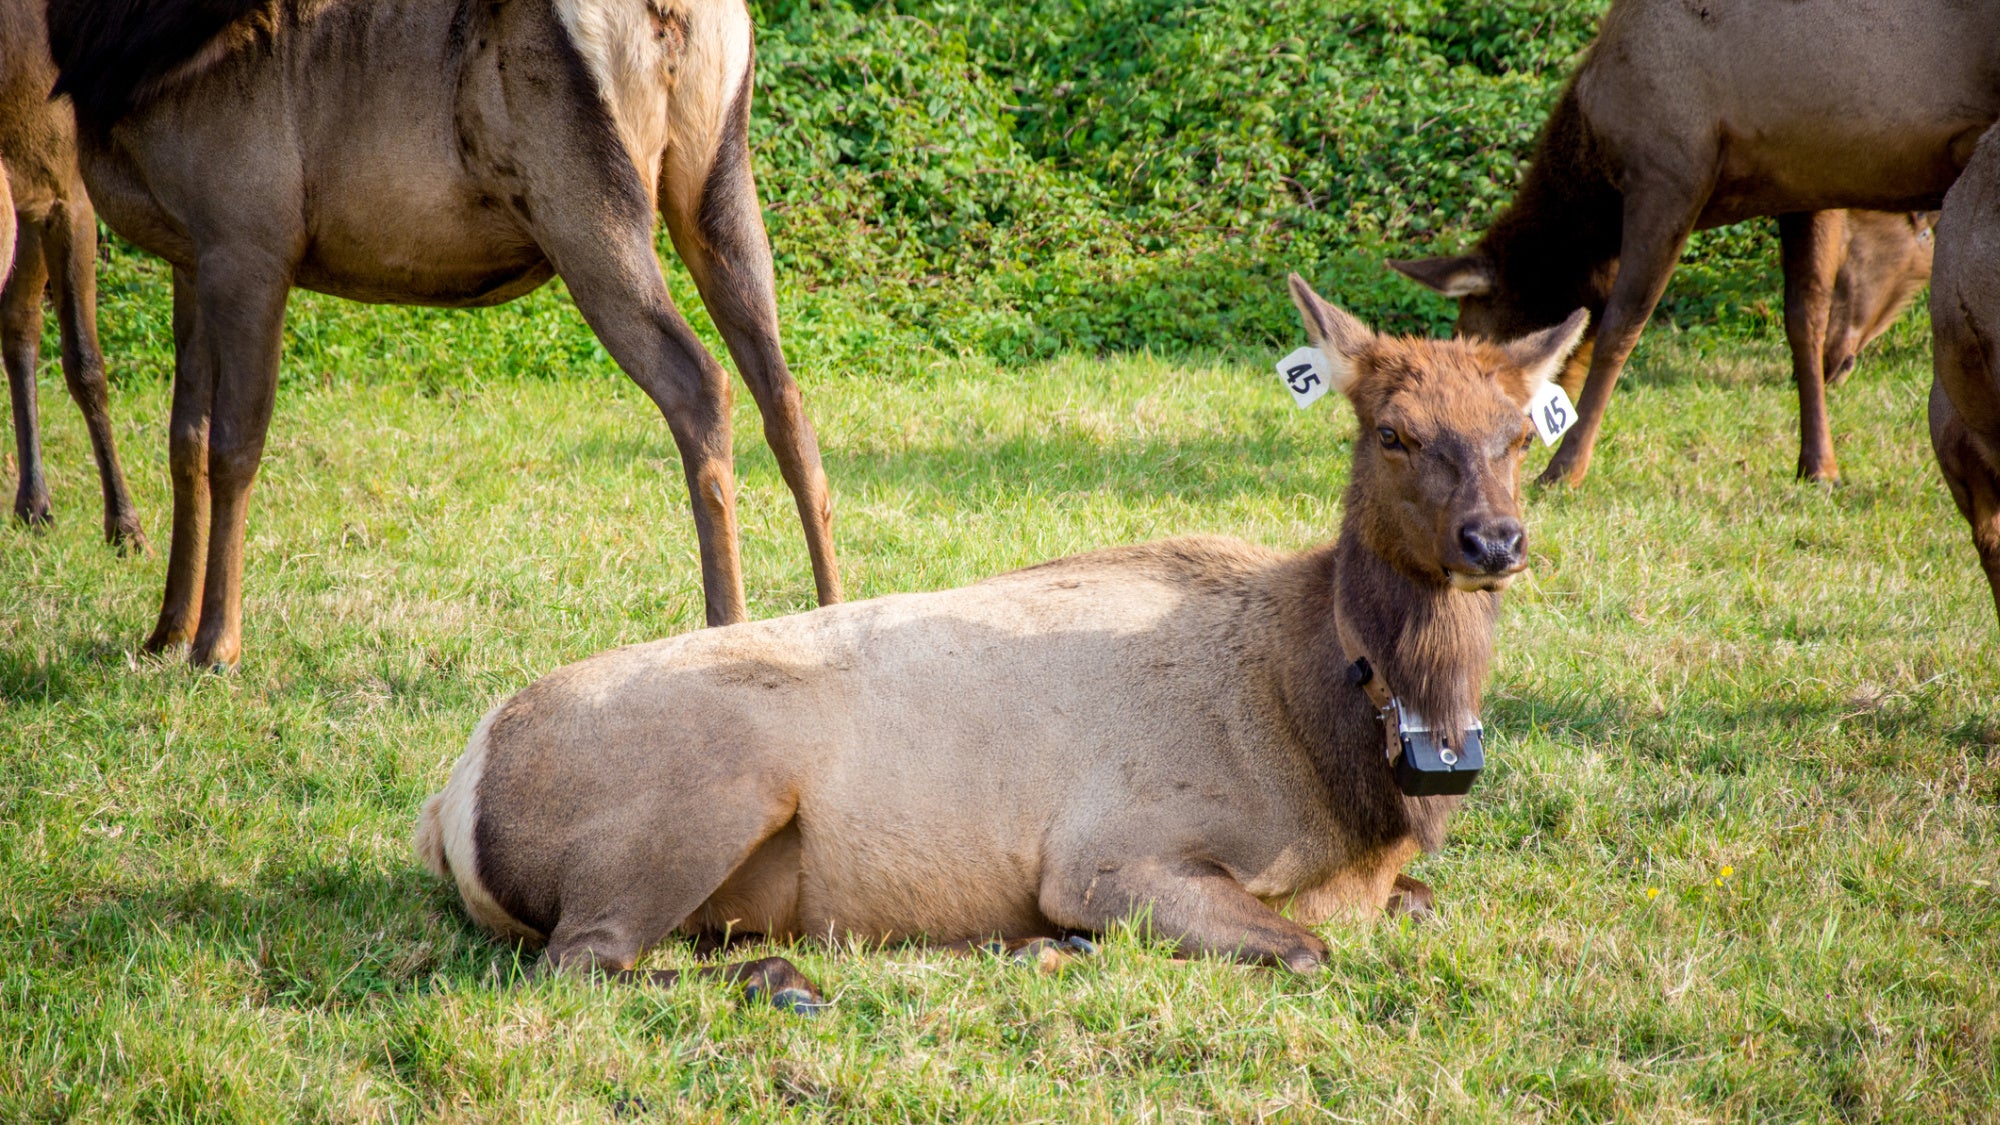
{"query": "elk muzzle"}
{"type": "Point", "coordinates": [1487, 552]}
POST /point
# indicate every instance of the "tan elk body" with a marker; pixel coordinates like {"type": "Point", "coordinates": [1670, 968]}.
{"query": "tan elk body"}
{"type": "Point", "coordinates": [1686, 116]}
{"type": "Point", "coordinates": [455, 153]}
{"type": "Point", "coordinates": [1163, 730]}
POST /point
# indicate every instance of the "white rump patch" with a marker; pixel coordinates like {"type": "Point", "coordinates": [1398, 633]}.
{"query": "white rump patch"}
{"type": "Point", "coordinates": [457, 817]}
{"type": "Point", "coordinates": [666, 70]}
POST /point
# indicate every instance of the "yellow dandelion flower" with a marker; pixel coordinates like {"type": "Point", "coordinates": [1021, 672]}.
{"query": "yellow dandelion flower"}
{"type": "Point", "coordinates": [1652, 893]}
{"type": "Point", "coordinates": [1727, 871]}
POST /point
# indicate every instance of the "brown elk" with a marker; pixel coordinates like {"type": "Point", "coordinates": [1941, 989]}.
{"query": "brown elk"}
{"type": "Point", "coordinates": [441, 152]}
{"type": "Point", "coordinates": [57, 243]}
{"type": "Point", "coordinates": [1686, 116]}
{"type": "Point", "coordinates": [1168, 730]}
{"type": "Point", "coordinates": [1885, 261]}
{"type": "Point", "coordinates": [1965, 334]}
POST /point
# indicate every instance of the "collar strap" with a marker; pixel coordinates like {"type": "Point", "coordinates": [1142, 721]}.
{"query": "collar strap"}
{"type": "Point", "coordinates": [1425, 762]}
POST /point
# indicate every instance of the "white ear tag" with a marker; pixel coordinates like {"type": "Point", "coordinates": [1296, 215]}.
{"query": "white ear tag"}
{"type": "Point", "coordinates": [1306, 374]}
{"type": "Point", "coordinates": [1551, 412]}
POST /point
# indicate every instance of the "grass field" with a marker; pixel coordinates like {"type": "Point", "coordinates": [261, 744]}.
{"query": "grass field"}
{"type": "Point", "coordinates": [1736, 857]}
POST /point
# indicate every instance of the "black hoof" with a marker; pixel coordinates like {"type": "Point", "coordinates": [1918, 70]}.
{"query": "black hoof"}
{"type": "Point", "coordinates": [797, 1001]}
{"type": "Point", "coordinates": [1080, 945]}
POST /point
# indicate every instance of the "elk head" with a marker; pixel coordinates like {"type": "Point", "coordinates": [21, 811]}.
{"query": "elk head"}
{"type": "Point", "coordinates": [1436, 488]}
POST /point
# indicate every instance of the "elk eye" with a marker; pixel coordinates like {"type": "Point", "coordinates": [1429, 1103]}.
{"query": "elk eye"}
{"type": "Point", "coordinates": [1389, 438]}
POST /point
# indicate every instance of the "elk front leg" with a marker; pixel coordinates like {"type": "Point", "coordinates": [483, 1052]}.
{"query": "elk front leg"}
{"type": "Point", "coordinates": [720, 235]}
{"type": "Point", "coordinates": [1659, 216]}
{"type": "Point", "coordinates": [240, 295]}
{"type": "Point", "coordinates": [187, 468]}
{"type": "Point", "coordinates": [72, 259]}
{"type": "Point", "coordinates": [1812, 242]}
{"type": "Point", "coordinates": [20, 341]}
{"type": "Point", "coordinates": [1197, 905]}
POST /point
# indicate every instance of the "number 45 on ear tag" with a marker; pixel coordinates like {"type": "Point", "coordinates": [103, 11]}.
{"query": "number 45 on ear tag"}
{"type": "Point", "coordinates": [1306, 375]}
{"type": "Point", "coordinates": [1551, 412]}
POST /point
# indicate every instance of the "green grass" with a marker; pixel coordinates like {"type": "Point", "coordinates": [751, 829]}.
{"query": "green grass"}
{"type": "Point", "coordinates": [209, 909]}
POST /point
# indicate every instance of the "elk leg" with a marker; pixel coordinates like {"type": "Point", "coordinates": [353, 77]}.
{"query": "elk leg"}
{"type": "Point", "coordinates": [1973, 476]}
{"type": "Point", "coordinates": [1658, 220]}
{"type": "Point", "coordinates": [20, 341]}
{"type": "Point", "coordinates": [241, 301]}
{"type": "Point", "coordinates": [187, 468]}
{"type": "Point", "coordinates": [1813, 242]}
{"type": "Point", "coordinates": [774, 978]}
{"type": "Point", "coordinates": [616, 281]}
{"type": "Point", "coordinates": [721, 238]}
{"type": "Point", "coordinates": [1412, 898]}
{"type": "Point", "coordinates": [72, 258]}
{"type": "Point", "coordinates": [1194, 904]}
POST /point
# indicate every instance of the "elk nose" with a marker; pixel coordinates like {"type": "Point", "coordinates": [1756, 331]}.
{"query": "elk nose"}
{"type": "Point", "coordinates": [1493, 545]}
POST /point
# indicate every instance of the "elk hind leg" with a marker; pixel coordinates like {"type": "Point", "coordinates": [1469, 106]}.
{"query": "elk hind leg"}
{"type": "Point", "coordinates": [719, 234]}
{"type": "Point", "coordinates": [20, 343]}
{"type": "Point", "coordinates": [1973, 476]}
{"type": "Point", "coordinates": [72, 260]}
{"type": "Point", "coordinates": [610, 918]}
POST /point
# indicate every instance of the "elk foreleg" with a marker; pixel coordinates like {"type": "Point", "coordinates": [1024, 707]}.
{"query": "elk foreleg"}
{"type": "Point", "coordinates": [1659, 216]}
{"type": "Point", "coordinates": [20, 342]}
{"type": "Point", "coordinates": [240, 294]}
{"type": "Point", "coordinates": [1196, 905]}
{"type": "Point", "coordinates": [1813, 242]}
{"type": "Point", "coordinates": [187, 468]}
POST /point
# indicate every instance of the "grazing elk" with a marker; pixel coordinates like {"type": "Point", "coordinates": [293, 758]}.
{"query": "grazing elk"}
{"type": "Point", "coordinates": [57, 242]}
{"type": "Point", "coordinates": [441, 152]}
{"type": "Point", "coordinates": [1692, 115]}
{"type": "Point", "coordinates": [1965, 335]}
{"type": "Point", "coordinates": [1886, 260]}
{"type": "Point", "coordinates": [1169, 730]}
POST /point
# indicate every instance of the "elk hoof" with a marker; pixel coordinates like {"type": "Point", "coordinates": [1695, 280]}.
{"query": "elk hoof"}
{"type": "Point", "coordinates": [34, 513]}
{"type": "Point", "coordinates": [798, 1002]}
{"type": "Point", "coordinates": [126, 537]}
{"type": "Point", "coordinates": [1412, 898]}
{"type": "Point", "coordinates": [1080, 945]}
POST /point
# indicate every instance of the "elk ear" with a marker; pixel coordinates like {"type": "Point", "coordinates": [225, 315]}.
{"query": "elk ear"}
{"type": "Point", "coordinates": [1467, 275]}
{"type": "Point", "coordinates": [1540, 356]}
{"type": "Point", "coordinates": [1337, 334]}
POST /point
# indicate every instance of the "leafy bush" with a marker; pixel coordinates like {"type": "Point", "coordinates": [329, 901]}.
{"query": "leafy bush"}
{"type": "Point", "coordinates": [1021, 177]}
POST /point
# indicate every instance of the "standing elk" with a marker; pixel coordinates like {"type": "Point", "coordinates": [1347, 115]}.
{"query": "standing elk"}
{"type": "Point", "coordinates": [441, 152]}
{"type": "Point", "coordinates": [1965, 334]}
{"type": "Point", "coordinates": [57, 243]}
{"type": "Point", "coordinates": [1179, 730]}
{"type": "Point", "coordinates": [1686, 116]}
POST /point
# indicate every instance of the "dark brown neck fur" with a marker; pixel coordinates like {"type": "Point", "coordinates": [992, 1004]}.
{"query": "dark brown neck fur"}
{"type": "Point", "coordinates": [1430, 643]}
{"type": "Point", "coordinates": [1556, 245]}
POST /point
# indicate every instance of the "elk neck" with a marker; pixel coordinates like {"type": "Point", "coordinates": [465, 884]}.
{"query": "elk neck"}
{"type": "Point", "coordinates": [1556, 246]}
{"type": "Point", "coordinates": [1431, 644]}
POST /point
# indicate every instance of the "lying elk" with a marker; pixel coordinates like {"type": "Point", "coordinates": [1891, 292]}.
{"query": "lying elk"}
{"type": "Point", "coordinates": [1965, 333]}
{"type": "Point", "coordinates": [1179, 730]}
{"type": "Point", "coordinates": [1686, 116]}
{"type": "Point", "coordinates": [57, 242]}
{"type": "Point", "coordinates": [441, 152]}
